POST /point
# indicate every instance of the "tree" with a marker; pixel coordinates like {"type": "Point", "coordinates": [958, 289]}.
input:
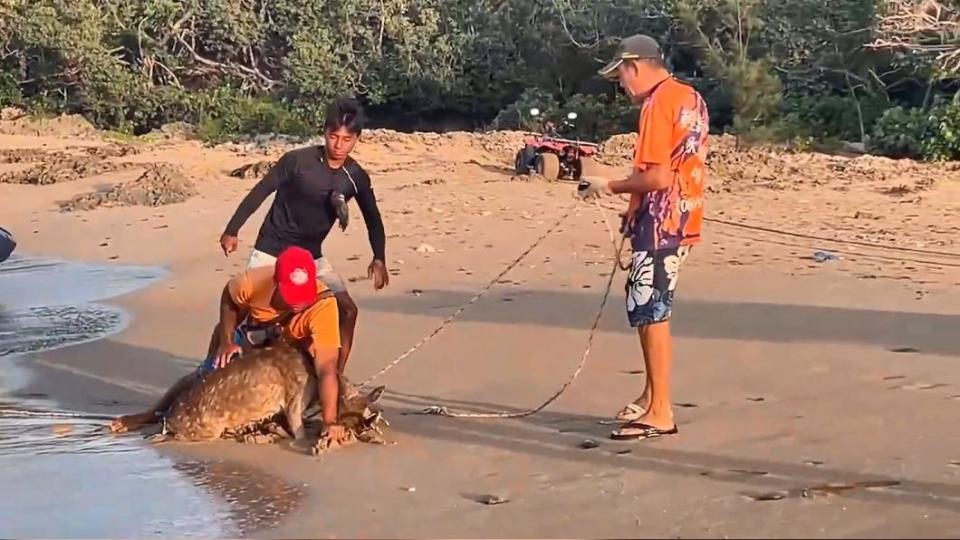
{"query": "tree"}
{"type": "Point", "coordinates": [236, 66]}
{"type": "Point", "coordinates": [724, 32]}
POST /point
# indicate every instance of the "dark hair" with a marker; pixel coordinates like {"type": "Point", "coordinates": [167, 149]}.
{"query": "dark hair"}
{"type": "Point", "coordinates": [344, 113]}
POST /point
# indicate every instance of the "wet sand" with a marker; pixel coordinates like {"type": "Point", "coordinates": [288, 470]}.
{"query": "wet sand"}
{"type": "Point", "coordinates": [74, 482]}
{"type": "Point", "coordinates": [795, 381]}
{"type": "Point", "coordinates": [64, 476]}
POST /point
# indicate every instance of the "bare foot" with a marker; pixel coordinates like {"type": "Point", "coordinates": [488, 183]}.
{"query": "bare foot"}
{"type": "Point", "coordinates": [130, 422]}
{"type": "Point", "coordinates": [662, 421]}
{"type": "Point", "coordinates": [636, 409]}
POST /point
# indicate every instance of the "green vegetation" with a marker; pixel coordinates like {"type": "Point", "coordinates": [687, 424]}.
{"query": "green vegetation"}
{"type": "Point", "coordinates": [785, 70]}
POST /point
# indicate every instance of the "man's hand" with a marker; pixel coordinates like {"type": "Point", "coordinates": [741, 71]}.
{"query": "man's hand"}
{"type": "Point", "coordinates": [225, 354]}
{"type": "Point", "coordinates": [339, 203]}
{"type": "Point", "coordinates": [593, 186]}
{"type": "Point", "coordinates": [378, 272]}
{"type": "Point", "coordinates": [228, 243]}
{"type": "Point", "coordinates": [336, 433]}
{"type": "Point", "coordinates": [331, 436]}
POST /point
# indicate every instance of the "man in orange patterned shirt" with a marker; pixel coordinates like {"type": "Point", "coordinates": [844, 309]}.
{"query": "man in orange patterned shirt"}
{"type": "Point", "coordinates": [663, 219]}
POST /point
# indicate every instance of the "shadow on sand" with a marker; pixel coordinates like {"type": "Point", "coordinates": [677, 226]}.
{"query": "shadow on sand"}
{"type": "Point", "coordinates": [776, 323]}
{"type": "Point", "coordinates": [542, 435]}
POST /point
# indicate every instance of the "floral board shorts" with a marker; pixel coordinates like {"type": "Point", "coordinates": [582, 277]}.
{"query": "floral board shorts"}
{"type": "Point", "coordinates": [651, 285]}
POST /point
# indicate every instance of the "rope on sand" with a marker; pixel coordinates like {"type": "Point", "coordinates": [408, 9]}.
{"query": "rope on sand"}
{"type": "Point", "coordinates": [473, 300]}
{"type": "Point", "coordinates": [24, 413]}
{"type": "Point", "coordinates": [835, 240]}
{"type": "Point", "coordinates": [439, 410]}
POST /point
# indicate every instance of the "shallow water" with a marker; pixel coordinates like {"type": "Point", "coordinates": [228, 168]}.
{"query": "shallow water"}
{"type": "Point", "coordinates": [44, 328]}
{"type": "Point", "coordinates": [30, 281]}
{"type": "Point", "coordinates": [48, 303]}
{"type": "Point", "coordinates": [65, 478]}
{"type": "Point", "coordinates": [61, 474]}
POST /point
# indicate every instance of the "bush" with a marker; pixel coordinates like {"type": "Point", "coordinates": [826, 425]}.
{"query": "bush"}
{"type": "Point", "coordinates": [226, 115]}
{"type": "Point", "coordinates": [161, 105]}
{"type": "Point", "coordinates": [756, 93]}
{"type": "Point", "coordinates": [834, 116]}
{"type": "Point", "coordinates": [517, 115]}
{"type": "Point", "coordinates": [943, 142]}
{"type": "Point", "coordinates": [599, 117]}
{"type": "Point", "coordinates": [915, 133]}
{"type": "Point", "coordinates": [10, 95]}
{"type": "Point", "coordinates": [901, 133]}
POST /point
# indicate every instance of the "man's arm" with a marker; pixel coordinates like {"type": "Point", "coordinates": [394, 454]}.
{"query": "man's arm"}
{"type": "Point", "coordinates": [231, 314]}
{"type": "Point", "coordinates": [275, 177]}
{"type": "Point", "coordinates": [655, 177]}
{"type": "Point", "coordinates": [367, 202]}
{"type": "Point", "coordinates": [229, 317]}
{"type": "Point", "coordinates": [321, 328]}
{"type": "Point", "coordinates": [328, 382]}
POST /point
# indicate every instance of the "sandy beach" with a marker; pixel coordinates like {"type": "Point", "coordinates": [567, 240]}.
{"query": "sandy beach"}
{"type": "Point", "coordinates": [814, 399]}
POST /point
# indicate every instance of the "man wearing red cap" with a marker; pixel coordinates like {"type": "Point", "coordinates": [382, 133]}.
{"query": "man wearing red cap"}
{"type": "Point", "coordinates": [285, 300]}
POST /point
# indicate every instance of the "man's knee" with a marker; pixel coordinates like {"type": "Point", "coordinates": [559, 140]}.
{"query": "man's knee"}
{"type": "Point", "coordinates": [654, 328]}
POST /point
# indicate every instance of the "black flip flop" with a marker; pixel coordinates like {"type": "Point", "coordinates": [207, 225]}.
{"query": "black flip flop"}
{"type": "Point", "coordinates": [641, 431]}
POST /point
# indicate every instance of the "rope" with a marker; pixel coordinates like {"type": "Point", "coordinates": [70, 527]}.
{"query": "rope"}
{"type": "Point", "coordinates": [473, 300]}
{"type": "Point", "coordinates": [439, 410]}
{"type": "Point", "coordinates": [617, 249]}
{"type": "Point", "coordinates": [23, 413]}
{"type": "Point", "coordinates": [836, 240]}
{"type": "Point", "coordinates": [805, 236]}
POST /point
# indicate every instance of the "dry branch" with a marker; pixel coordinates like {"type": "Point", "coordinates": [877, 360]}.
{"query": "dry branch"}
{"type": "Point", "coordinates": [927, 27]}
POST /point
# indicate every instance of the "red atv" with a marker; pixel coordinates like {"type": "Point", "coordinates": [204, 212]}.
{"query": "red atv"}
{"type": "Point", "coordinates": [553, 157]}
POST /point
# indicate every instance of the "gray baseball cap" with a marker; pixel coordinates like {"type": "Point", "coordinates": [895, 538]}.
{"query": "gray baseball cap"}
{"type": "Point", "coordinates": [635, 47]}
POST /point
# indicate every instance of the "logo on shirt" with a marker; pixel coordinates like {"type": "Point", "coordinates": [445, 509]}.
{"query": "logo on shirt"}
{"type": "Point", "coordinates": [298, 276]}
{"type": "Point", "coordinates": [688, 205]}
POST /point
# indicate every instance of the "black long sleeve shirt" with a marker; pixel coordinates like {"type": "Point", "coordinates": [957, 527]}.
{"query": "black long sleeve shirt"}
{"type": "Point", "coordinates": [302, 214]}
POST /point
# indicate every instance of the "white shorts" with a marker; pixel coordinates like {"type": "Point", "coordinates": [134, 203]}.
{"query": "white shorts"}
{"type": "Point", "coordinates": [325, 272]}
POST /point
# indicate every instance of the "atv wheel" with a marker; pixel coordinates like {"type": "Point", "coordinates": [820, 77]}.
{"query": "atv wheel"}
{"type": "Point", "coordinates": [548, 165]}
{"type": "Point", "coordinates": [525, 159]}
{"type": "Point", "coordinates": [587, 167]}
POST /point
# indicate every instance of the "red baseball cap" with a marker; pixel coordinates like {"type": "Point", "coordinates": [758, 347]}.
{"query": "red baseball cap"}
{"type": "Point", "coordinates": [296, 277]}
